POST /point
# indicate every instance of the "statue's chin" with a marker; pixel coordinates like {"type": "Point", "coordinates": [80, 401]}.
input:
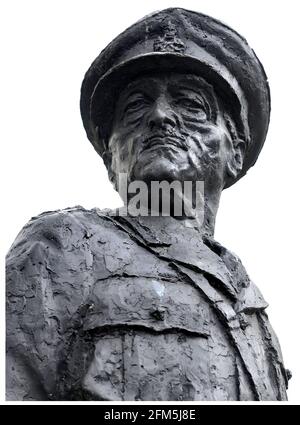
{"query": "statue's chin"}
{"type": "Point", "coordinates": [152, 166]}
{"type": "Point", "coordinates": [164, 172]}
{"type": "Point", "coordinates": [157, 170]}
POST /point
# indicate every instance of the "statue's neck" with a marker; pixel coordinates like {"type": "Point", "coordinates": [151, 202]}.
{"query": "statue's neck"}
{"type": "Point", "coordinates": [202, 218]}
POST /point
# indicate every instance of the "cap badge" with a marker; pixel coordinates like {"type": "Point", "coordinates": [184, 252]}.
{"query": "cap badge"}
{"type": "Point", "coordinates": [169, 42]}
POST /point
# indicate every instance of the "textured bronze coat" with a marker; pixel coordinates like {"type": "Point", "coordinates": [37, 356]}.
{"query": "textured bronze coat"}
{"type": "Point", "coordinates": [104, 307]}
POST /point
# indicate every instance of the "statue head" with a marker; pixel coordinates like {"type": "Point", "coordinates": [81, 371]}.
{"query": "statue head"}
{"type": "Point", "coordinates": [177, 96]}
{"type": "Point", "coordinates": [172, 126]}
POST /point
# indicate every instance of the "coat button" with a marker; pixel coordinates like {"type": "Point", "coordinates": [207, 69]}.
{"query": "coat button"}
{"type": "Point", "coordinates": [158, 314]}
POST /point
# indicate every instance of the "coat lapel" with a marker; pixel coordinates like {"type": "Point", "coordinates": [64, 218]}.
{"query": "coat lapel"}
{"type": "Point", "coordinates": [184, 246]}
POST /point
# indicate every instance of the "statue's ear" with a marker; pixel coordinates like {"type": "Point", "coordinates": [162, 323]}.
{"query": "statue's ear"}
{"type": "Point", "coordinates": [107, 159]}
{"type": "Point", "coordinates": [237, 151]}
{"type": "Point", "coordinates": [236, 160]}
{"type": "Point", "coordinates": [106, 156]}
{"type": "Point", "coordinates": [100, 146]}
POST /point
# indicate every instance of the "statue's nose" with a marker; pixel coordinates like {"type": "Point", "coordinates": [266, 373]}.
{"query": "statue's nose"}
{"type": "Point", "coordinates": [161, 115]}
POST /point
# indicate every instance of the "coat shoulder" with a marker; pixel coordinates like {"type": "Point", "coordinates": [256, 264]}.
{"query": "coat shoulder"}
{"type": "Point", "coordinates": [55, 229]}
{"type": "Point", "coordinates": [232, 262]}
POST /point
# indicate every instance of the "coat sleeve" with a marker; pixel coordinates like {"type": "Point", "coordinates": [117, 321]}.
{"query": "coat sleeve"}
{"type": "Point", "coordinates": [251, 310]}
{"type": "Point", "coordinates": [48, 274]}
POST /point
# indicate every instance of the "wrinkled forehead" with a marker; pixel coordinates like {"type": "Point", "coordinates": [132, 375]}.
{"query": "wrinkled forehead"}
{"type": "Point", "coordinates": [171, 82]}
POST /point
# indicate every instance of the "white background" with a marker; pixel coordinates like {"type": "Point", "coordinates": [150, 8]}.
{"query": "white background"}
{"type": "Point", "coordinates": [49, 164]}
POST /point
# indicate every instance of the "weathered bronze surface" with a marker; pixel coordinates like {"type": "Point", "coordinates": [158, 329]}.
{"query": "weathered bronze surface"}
{"type": "Point", "coordinates": [107, 306]}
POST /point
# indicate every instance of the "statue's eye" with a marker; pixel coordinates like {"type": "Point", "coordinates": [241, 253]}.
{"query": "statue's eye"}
{"type": "Point", "coordinates": [189, 103]}
{"type": "Point", "coordinates": [135, 104]}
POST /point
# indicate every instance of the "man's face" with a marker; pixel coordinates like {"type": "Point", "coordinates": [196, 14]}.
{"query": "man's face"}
{"type": "Point", "coordinates": [169, 127]}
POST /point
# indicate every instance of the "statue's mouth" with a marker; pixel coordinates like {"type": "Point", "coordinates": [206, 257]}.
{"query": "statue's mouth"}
{"type": "Point", "coordinates": [162, 141]}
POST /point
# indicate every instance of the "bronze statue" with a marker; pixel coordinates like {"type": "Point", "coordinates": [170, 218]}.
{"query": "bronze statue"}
{"type": "Point", "coordinates": [106, 305]}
